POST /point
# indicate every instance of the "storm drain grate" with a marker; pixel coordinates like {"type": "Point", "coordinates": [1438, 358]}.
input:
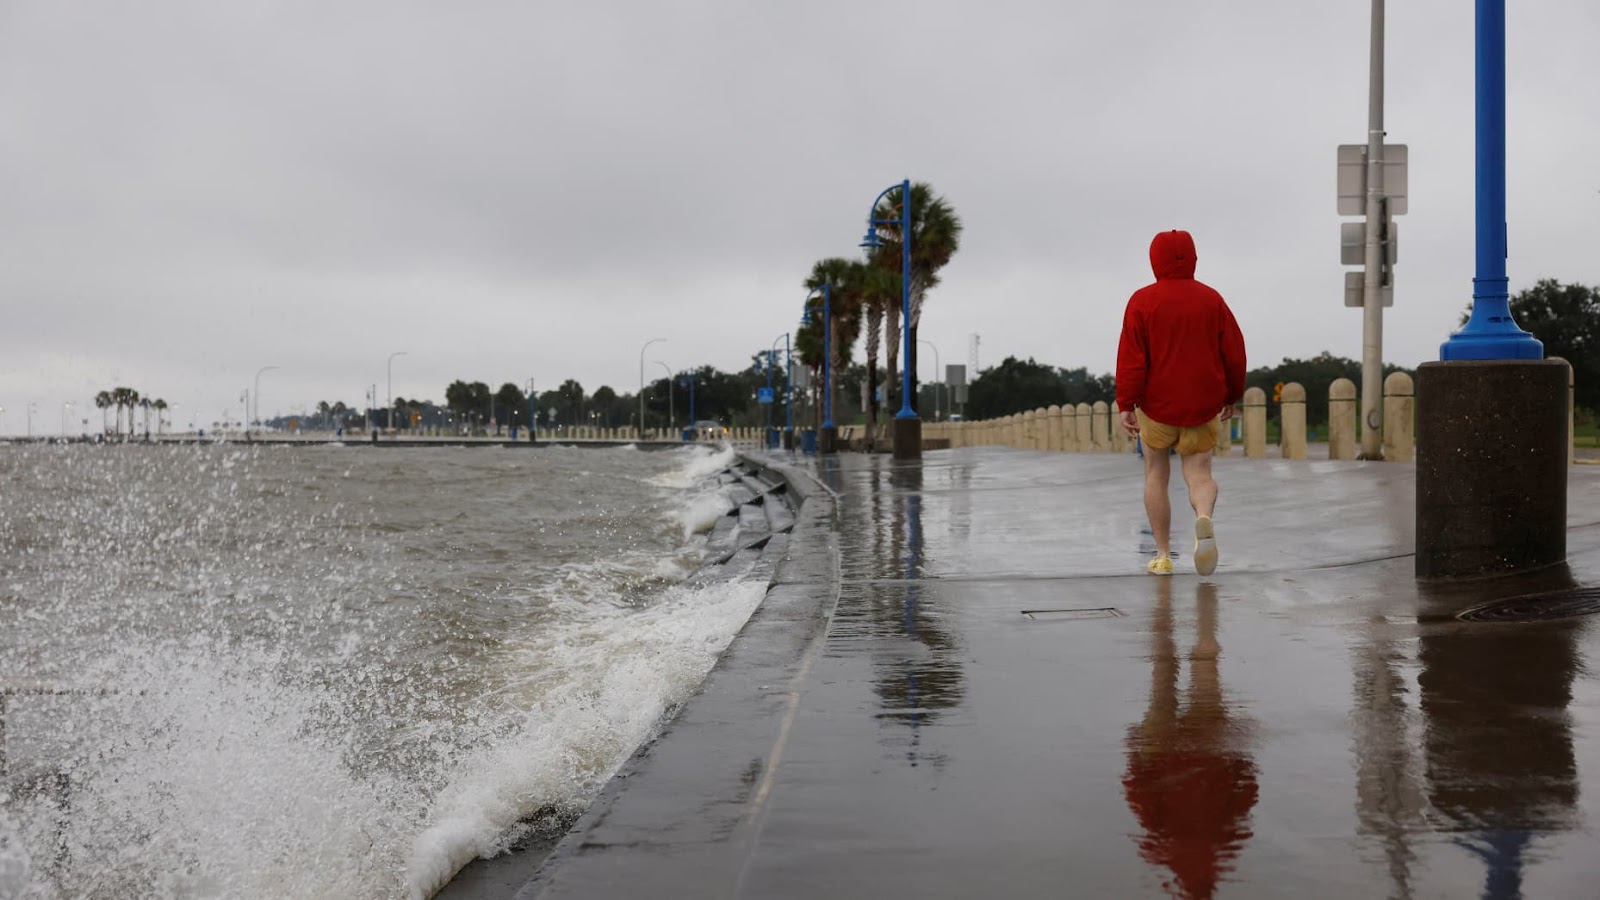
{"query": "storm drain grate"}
{"type": "Point", "coordinates": [1568, 604]}
{"type": "Point", "coordinates": [1100, 612]}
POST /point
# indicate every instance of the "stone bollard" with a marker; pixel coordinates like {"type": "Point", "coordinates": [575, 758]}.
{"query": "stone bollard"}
{"type": "Point", "coordinates": [1053, 427]}
{"type": "Point", "coordinates": [1081, 416]}
{"type": "Point", "coordinates": [1342, 419]}
{"type": "Point", "coordinates": [1030, 429]}
{"type": "Point", "coordinates": [1255, 423]}
{"type": "Point", "coordinates": [1491, 467]}
{"type": "Point", "coordinates": [1069, 428]}
{"type": "Point", "coordinates": [1292, 421]}
{"type": "Point", "coordinates": [1399, 418]}
{"type": "Point", "coordinates": [1097, 427]}
{"type": "Point", "coordinates": [1119, 435]}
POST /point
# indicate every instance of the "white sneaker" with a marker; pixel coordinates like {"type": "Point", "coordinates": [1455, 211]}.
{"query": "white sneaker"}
{"type": "Point", "coordinates": [1205, 546]}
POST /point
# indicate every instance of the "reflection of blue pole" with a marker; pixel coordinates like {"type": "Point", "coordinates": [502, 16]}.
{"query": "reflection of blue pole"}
{"type": "Point", "coordinates": [1491, 333]}
{"type": "Point", "coordinates": [827, 355]}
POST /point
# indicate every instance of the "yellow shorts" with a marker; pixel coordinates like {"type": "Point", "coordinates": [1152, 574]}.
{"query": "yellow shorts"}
{"type": "Point", "coordinates": [1189, 439]}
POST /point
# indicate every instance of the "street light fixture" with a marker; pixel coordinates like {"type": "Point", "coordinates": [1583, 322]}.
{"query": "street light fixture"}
{"type": "Point", "coordinates": [788, 389]}
{"type": "Point", "coordinates": [907, 427]}
{"type": "Point", "coordinates": [641, 381]}
{"type": "Point", "coordinates": [256, 396]}
{"type": "Point", "coordinates": [390, 367]}
{"type": "Point", "coordinates": [672, 412]}
{"type": "Point", "coordinates": [938, 370]}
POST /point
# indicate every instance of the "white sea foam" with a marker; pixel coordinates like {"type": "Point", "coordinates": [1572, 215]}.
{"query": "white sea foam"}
{"type": "Point", "coordinates": [620, 677]}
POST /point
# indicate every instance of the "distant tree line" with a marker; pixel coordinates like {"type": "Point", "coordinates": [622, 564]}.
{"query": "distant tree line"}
{"type": "Point", "coordinates": [126, 398]}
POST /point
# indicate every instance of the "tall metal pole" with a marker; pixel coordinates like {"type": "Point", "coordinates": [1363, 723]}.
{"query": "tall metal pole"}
{"type": "Point", "coordinates": [788, 387]}
{"type": "Point", "coordinates": [906, 412]}
{"type": "Point", "coordinates": [938, 370]}
{"type": "Point", "coordinates": [641, 382]}
{"type": "Point", "coordinates": [390, 365]}
{"type": "Point", "coordinates": [1491, 332]}
{"type": "Point", "coordinates": [827, 354]}
{"type": "Point", "coordinates": [1371, 289]}
{"type": "Point", "coordinates": [766, 439]}
{"type": "Point", "coordinates": [672, 412]}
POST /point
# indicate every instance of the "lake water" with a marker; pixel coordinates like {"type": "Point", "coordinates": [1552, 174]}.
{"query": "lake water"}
{"type": "Point", "coordinates": [253, 671]}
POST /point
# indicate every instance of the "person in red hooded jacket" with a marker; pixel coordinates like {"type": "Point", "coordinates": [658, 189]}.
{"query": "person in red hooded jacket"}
{"type": "Point", "coordinates": [1180, 370]}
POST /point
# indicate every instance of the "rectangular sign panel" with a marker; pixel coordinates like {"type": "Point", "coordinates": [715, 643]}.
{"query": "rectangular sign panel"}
{"type": "Point", "coordinates": [1352, 181]}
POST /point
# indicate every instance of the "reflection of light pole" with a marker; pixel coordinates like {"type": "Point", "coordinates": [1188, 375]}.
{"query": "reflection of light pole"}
{"type": "Point", "coordinates": [672, 412]}
{"type": "Point", "coordinates": [257, 397]}
{"type": "Point", "coordinates": [907, 427]}
{"type": "Point", "coordinates": [390, 366]}
{"type": "Point", "coordinates": [938, 370]}
{"type": "Point", "coordinates": [641, 382]}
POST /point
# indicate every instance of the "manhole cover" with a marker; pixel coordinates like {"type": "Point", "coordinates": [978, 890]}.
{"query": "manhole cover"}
{"type": "Point", "coordinates": [1537, 607]}
{"type": "Point", "coordinates": [1101, 612]}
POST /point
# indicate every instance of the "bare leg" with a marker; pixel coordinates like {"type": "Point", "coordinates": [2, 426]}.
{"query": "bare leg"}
{"type": "Point", "coordinates": [1157, 472]}
{"type": "Point", "coordinates": [1202, 487]}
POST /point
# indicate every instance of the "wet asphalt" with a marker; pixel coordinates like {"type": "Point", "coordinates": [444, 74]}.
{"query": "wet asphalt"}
{"type": "Point", "coordinates": [963, 684]}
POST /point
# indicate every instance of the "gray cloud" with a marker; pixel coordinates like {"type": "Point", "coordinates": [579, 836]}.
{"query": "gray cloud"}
{"type": "Point", "coordinates": [196, 190]}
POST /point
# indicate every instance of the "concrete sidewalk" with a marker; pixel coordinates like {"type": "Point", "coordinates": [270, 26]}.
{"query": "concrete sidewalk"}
{"type": "Point", "coordinates": [964, 684]}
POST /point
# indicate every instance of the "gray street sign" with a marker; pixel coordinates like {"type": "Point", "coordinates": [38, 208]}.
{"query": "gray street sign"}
{"type": "Point", "coordinates": [956, 377]}
{"type": "Point", "coordinates": [1353, 244]}
{"type": "Point", "coordinates": [1354, 285]}
{"type": "Point", "coordinates": [1353, 178]}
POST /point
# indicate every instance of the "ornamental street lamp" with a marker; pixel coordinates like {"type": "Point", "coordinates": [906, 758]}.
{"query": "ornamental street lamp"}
{"type": "Point", "coordinates": [672, 412]}
{"type": "Point", "coordinates": [641, 382]}
{"type": "Point", "coordinates": [390, 367]}
{"type": "Point", "coordinates": [907, 427]}
{"type": "Point", "coordinates": [256, 397]}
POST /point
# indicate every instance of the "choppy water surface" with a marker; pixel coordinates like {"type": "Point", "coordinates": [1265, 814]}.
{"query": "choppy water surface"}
{"type": "Point", "coordinates": [332, 672]}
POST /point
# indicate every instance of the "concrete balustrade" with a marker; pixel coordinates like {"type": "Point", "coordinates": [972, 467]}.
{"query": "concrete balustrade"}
{"type": "Point", "coordinates": [1080, 426]}
{"type": "Point", "coordinates": [1399, 418]}
{"type": "Point", "coordinates": [1342, 415]}
{"type": "Point", "coordinates": [1099, 439]}
{"type": "Point", "coordinates": [1255, 423]}
{"type": "Point", "coordinates": [1292, 421]}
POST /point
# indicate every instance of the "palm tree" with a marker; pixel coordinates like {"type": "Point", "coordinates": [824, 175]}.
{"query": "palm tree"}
{"type": "Point", "coordinates": [878, 294]}
{"type": "Point", "coordinates": [102, 402]}
{"type": "Point", "coordinates": [161, 410]}
{"type": "Point", "coordinates": [125, 397]}
{"type": "Point", "coordinates": [843, 279]}
{"type": "Point", "coordinates": [935, 238]}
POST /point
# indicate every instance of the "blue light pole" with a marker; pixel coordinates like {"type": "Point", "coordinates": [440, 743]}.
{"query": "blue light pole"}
{"type": "Point", "coordinates": [907, 427]}
{"type": "Point", "coordinates": [1491, 333]}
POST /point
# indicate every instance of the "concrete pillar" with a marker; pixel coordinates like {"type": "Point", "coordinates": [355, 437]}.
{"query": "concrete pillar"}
{"type": "Point", "coordinates": [1030, 429]}
{"type": "Point", "coordinates": [1399, 418]}
{"type": "Point", "coordinates": [1255, 423]}
{"type": "Point", "coordinates": [1292, 420]}
{"type": "Point", "coordinates": [1052, 427]}
{"type": "Point", "coordinates": [1342, 419]}
{"type": "Point", "coordinates": [1081, 415]}
{"type": "Point", "coordinates": [1098, 435]}
{"type": "Point", "coordinates": [1491, 467]}
{"type": "Point", "coordinates": [1572, 421]}
{"type": "Point", "coordinates": [1119, 437]}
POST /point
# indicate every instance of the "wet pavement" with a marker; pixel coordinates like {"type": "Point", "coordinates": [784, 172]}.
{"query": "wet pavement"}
{"type": "Point", "coordinates": [964, 684]}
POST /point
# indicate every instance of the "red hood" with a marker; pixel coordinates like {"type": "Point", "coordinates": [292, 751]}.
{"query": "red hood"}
{"type": "Point", "coordinates": [1172, 255]}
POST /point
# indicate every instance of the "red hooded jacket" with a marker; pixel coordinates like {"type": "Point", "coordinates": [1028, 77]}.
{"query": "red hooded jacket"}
{"type": "Point", "coordinates": [1181, 357]}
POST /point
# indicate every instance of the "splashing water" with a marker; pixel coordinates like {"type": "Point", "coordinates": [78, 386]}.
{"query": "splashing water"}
{"type": "Point", "coordinates": [331, 672]}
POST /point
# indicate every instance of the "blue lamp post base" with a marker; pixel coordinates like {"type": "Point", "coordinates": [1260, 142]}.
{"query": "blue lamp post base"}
{"type": "Point", "coordinates": [907, 437]}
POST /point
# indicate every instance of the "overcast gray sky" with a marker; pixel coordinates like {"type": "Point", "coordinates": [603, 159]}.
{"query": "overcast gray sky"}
{"type": "Point", "coordinates": [505, 191]}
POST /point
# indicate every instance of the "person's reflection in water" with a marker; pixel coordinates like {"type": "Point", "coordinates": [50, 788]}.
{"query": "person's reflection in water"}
{"type": "Point", "coordinates": [1501, 768]}
{"type": "Point", "coordinates": [1190, 781]}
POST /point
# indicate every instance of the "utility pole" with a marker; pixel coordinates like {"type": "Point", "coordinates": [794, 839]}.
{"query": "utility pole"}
{"type": "Point", "coordinates": [1372, 285]}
